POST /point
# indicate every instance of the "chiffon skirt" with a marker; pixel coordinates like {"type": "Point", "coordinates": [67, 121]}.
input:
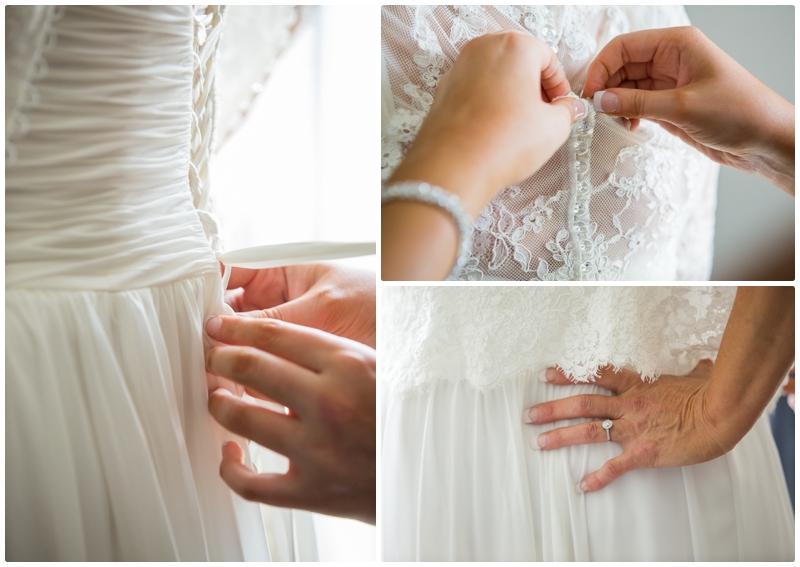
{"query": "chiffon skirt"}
{"type": "Point", "coordinates": [111, 453]}
{"type": "Point", "coordinates": [461, 483]}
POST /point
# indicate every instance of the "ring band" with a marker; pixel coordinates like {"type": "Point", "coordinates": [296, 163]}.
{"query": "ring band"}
{"type": "Point", "coordinates": [607, 424]}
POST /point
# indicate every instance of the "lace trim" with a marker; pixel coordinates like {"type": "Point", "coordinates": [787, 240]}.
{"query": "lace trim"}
{"type": "Point", "coordinates": [488, 335]}
{"type": "Point", "coordinates": [18, 125]}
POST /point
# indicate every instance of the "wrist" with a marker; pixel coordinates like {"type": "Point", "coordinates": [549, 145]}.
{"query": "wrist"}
{"type": "Point", "coordinates": [456, 167]}
{"type": "Point", "coordinates": [775, 161]}
{"type": "Point", "coordinates": [727, 427]}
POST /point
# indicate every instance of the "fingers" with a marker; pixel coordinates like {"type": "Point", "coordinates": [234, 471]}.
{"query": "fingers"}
{"type": "Point", "coordinates": [553, 79]}
{"type": "Point", "coordinates": [610, 379]}
{"type": "Point", "coordinates": [273, 489]}
{"type": "Point", "coordinates": [635, 103]}
{"type": "Point", "coordinates": [584, 433]}
{"type": "Point", "coordinates": [612, 470]}
{"type": "Point", "coordinates": [633, 52]}
{"type": "Point", "coordinates": [584, 405]}
{"type": "Point", "coordinates": [278, 379]}
{"type": "Point", "coordinates": [267, 428]}
{"type": "Point", "coordinates": [241, 277]}
{"type": "Point", "coordinates": [309, 348]}
{"type": "Point", "coordinates": [577, 108]}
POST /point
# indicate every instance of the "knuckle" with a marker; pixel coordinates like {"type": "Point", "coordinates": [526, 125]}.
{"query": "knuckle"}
{"type": "Point", "coordinates": [584, 403]}
{"type": "Point", "coordinates": [230, 413]}
{"type": "Point", "coordinates": [248, 491]}
{"type": "Point", "coordinates": [244, 363]}
{"type": "Point", "coordinates": [335, 410]}
{"type": "Point", "coordinates": [681, 102]}
{"type": "Point", "coordinates": [646, 453]}
{"type": "Point", "coordinates": [613, 468]}
{"type": "Point", "coordinates": [638, 103]}
{"type": "Point", "coordinates": [271, 324]}
{"type": "Point", "coordinates": [590, 431]}
{"type": "Point", "coordinates": [353, 361]}
{"type": "Point", "coordinates": [637, 404]}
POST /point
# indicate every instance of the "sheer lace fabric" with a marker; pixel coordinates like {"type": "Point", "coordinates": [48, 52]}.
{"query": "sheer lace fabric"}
{"type": "Point", "coordinates": [483, 336]}
{"type": "Point", "coordinates": [611, 204]}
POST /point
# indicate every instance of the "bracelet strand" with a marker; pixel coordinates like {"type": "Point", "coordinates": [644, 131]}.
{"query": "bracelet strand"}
{"type": "Point", "coordinates": [426, 193]}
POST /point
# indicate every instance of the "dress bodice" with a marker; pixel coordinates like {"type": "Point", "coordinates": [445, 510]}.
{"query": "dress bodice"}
{"type": "Point", "coordinates": [109, 123]}
{"type": "Point", "coordinates": [610, 204]}
{"type": "Point", "coordinates": [487, 335]}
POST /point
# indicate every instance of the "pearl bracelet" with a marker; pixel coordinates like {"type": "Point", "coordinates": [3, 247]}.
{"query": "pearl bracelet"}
{"type": "Point", "coordinates": [426, 193]}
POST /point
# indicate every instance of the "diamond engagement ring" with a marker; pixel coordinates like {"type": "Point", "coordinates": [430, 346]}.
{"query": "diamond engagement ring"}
{"type": "Point", "coordinates": [607, 426]}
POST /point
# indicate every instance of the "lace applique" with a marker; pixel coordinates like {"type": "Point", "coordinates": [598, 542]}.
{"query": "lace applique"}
{"type": "Point", "coordinates": [610, 204]}
{"type": "Point", "coordinates": [467, 24]}
{"type": "Point", "coordinates": [488, 335]}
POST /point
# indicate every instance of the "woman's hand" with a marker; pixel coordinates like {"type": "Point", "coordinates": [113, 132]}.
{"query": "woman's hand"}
{"type": "Point", "coordinates": [333, 299]}
{"type": "Point", "coordinates": [659, 424]}
{"type": "Point", "coordinates": [684, 420]}
{"type": "Point", "coordinates": [328, 384]}
{"type": "Point", "coordinates": [678, 78]}
{"type": "Point", "coordinates": [490, 126]}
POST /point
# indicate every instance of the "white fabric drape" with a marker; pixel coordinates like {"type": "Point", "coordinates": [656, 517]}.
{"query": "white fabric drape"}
{"type": "Point", "coordinates": [459, 365]}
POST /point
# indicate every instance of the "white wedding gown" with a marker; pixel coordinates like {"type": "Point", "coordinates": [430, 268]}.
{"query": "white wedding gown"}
{"type": "Point", "coordinates": [110, 273]}
{"type": "Point", "coordinates": [460, 480]}
{"type": "Point", "coordinates": [610, 204]}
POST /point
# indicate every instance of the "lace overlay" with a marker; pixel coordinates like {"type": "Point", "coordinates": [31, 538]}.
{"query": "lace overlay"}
{"type": "Point", "coordinates": [611, 204]}
{"type": "Point", "coordinates": [487, 335]}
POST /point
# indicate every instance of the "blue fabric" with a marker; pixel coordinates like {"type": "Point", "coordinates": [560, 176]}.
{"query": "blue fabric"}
{"type": "Point", "coordinates": [782, 421]}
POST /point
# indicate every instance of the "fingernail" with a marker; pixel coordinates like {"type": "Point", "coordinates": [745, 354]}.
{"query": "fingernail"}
{"type": "Point", "coordinates": [534, 444]}
{"type": "Point", "coordinates": [542, 441]}
{"type": "Point", "coordinates": [547, 375]}
{"type": "Point", "coordinates": [213, 325]}
{"type": "Point", "coordinates": [606, 102]}
{"type": "Point", "coordinates": [578, 488]}
{"type": "Point", "coordinates": [581, 108]}
{"type": "Point", "coordinates": [533, 414]}
{"type": "Point", "coordinates": [526, 418]}
{"type": "Point", "coordinates": [584, 486]}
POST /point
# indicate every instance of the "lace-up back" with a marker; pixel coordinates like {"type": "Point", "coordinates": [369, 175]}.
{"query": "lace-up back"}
{"type": "Point", "coordinates": [611, 204]}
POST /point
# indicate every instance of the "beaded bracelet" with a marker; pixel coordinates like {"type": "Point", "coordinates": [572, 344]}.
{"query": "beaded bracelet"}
{"type": "Point", "coordinates": [426, 193]}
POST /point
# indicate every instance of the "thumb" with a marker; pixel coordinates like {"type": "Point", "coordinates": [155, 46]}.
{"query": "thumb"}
{"type": "Point", "coordinates": [576, 108]}
{"type": "Point", "coordinates": [638, 103]}
{"type": "Point", "coordinates": [557, 120]}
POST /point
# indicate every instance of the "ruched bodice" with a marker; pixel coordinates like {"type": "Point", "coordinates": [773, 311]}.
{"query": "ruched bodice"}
{"type": "Point", "coordinates": [110, 272]}
{"type": "Point", "coordinates": [105, 141]}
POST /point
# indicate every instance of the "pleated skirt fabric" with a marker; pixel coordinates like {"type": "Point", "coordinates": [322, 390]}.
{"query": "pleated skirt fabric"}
{"type": "Point", "coordinates": [111, 453]}
{"type": "Point", "coordinates": [462, 483]}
